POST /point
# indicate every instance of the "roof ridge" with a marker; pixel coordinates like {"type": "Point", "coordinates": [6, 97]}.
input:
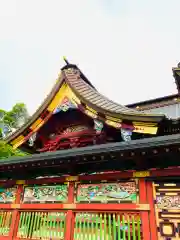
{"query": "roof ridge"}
{"type": "Point", "coordinates": [93, 97]}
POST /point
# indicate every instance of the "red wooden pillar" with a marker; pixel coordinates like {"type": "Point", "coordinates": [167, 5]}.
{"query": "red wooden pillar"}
{"type": "Point", "coordinates": [144, 214]}
{"type": "Point", "coordinates": [152, 216]}
{"type": "Point", "coordinates": [70, 215]}
{"type": "Point", "coordinates": [15, 213]}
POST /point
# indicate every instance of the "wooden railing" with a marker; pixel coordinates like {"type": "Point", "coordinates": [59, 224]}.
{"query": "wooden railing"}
{"type": "Point", "coordinates": [87, 225]}
{"type": "Point", "coordinates": [5, 222]}
{"type": "Point", "coordinates": [72, 220]}
{"type": "Point", "coordinates": [118, 226]}
{"type": "Point", "coordinates": [42, 225]}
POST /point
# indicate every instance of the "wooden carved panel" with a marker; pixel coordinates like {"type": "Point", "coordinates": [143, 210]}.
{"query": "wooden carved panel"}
{"type": "Point", "coordinates": [107, 192]}
{"type": "Point", "coordinates": [167, 199]}
{"type": "Point", "coordinates": [7, 195]}
{"type": "Point", "coordinates": [53, 193]}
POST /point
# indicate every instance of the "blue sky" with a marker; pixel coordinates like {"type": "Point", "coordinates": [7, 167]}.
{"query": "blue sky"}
{"type": "Point", "coordinates": [127, 48]}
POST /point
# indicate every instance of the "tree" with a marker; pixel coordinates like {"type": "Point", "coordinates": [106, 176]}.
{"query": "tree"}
{"type": "Point", "coordinates": [17, 116]}
{"type": "Point", "coordinates": [7, 151]}
{"type": "Point", "coordinates": [12, 120]}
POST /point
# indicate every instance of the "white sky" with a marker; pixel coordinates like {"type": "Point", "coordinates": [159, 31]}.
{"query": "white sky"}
{"type": "Point", "coordinates": [126, 48]}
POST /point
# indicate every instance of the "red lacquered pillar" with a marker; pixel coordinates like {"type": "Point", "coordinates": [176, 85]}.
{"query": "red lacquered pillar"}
{"type": "Point", "coordinates": [15, 214]}
{"type": "Point", "coordinates": [144, 214]}
{"type": "Point", "coordinates": [152, 216]}
{"type": "Point", "coordinates": [70, 214]}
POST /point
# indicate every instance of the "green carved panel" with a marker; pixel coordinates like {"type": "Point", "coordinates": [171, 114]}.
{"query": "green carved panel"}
{"type": "Point", "coordinates": [7, 195]}
{"type": "Point", "coordinates": [53, 193]}
{"type": "Point", "coordinates": [107, 192]}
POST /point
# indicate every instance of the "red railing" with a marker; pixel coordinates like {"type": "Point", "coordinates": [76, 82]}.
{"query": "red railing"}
{"type": "Point", "coordinates": [71, 220]}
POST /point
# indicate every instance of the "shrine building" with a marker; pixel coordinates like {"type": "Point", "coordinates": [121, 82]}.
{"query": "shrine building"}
{"type": "Point", "coordinates": [94, 169]}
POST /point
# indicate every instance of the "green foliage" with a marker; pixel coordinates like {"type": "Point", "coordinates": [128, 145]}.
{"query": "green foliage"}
{"type": "Point", "coordinates": [17, 115]}
{"type": "Point", "coordinates": [1, 134]}
{"type": "Point", "coordinates": [13, 119]}
{"type": "Point", "coordinates": [7, 151]}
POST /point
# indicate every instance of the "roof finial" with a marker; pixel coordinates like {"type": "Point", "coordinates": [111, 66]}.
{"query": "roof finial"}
{"type": "Point", "coordinates": [66, 61]}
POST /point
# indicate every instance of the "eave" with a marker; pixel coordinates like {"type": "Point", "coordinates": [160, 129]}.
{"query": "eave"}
{"type": "Point", "coordinates": [136, 155]}
{"type": "Point", "coordinates": [160, 101]}
{"type": "Point", "coordinates": [156, 103]}
{"type": "Point", "coordinates": [39, 111]}
{"type": "Point", "coordinates": [100, 103]}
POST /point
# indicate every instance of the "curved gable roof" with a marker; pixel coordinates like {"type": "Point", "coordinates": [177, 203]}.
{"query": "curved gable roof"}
{"type": "Point", "coordinates": [100, 103]}
{"type": "Point", "coordinates": [88, 96]}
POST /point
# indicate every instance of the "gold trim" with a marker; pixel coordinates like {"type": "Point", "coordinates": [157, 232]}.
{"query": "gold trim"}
{"type": "Point", "coordinates": [72, 178]}
{"type": "Point", "coordinates": [169, 184]}
{"type": "Point", "coordinates": [144, 207]}
{"type": "Point", "coordinates": [113, 119]}
{"type": "Point", "coordinates": [173, 210]}
{"type": "Point", "coordinates": [91, 114]}
{"type": "Point", "coordinates": [168, 189]}
{"type": "Point", "coordinates": [66, 183]}
{"type": "Point", "coordinates": [141, 174]}
{"type": "Point", "coordinates": [145, 129]}
{"type": "Point", "coordinates": [156, 185]}
{"type": "Point", "coordinates": [145, 124]}
{"type": "Point", "coordinates": [17, 139]}
{"type": "Point", "coordinates": [69, 206]}
{"type": "Point", "coordinates": [113, 124]}
{"type": "Point", "coordinates": [91, 110]}
{"type": "Point", "coordinates": [36, 124]}
{"type": "Point", "coordinates": [15, 206]}
{"type": "Point", "coordinates": [171, 194]}
{"type": "Point", "coordinates": [20, 182]}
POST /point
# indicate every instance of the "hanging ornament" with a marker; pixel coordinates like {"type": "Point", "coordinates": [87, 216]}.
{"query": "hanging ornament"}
{"type": "Point", "coordinates": [32, 139]}
{"type": "Point", "coordinates": [64, 106]}
{"type": "Point", "coordinates": [98, 126]}
{"type": "Point", "coordinates": [126, 134]}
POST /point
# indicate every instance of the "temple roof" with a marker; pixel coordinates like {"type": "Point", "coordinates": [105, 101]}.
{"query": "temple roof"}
{"type": "Point", "coordinates": [87, 99]}
{"type": "Point", "coordinates": [152, 151]}
{"type": "Point", "coordinates": [97, 101]}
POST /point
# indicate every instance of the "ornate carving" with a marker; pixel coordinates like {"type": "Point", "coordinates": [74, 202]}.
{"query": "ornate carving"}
{"type": "Point", "coordinates": [167, 209]}
{"type": "Point", "coordinates": [7, 195]}
{"type": "Point", "coordinates": [32, 139]}
{"type": "Point", "coordinates": [77, 128]}
{"type": "Point", "coordinates": [72, 71]}
{"type": "Point", "coordinates": [54, 193]}
{"type": "Point", "coordinates": [64, 106]}
{"type": "Point", "coordinates": [69, 70]}
{"type": "Point", "coordinates": [107, 192]}
{"type": "Point", "coordinates": [98, 126]}
{"type": "Point", "coordinates": [126, 134]}
{"type": "Point", "coordinates": [141, 174]}
{"type": "Point", "coordinates": [168, 202]}
{"type": "Point", "coordinates": [74, 142]}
